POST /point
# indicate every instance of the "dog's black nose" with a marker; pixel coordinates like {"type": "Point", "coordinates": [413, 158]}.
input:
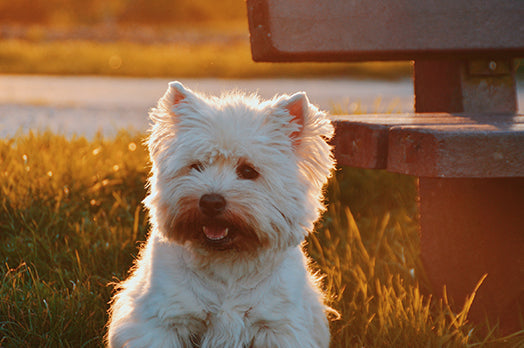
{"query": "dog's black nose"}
{"type": "Point", "coordinates": [212, 204]}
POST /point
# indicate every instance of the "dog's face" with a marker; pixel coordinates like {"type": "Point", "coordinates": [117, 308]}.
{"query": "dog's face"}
{"type": "Point", "coordinates": [234, 174]}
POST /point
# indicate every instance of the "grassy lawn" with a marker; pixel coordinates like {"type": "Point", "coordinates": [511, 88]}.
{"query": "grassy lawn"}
{"type": "Point", "coordinates": [198, 50]}
{"type": "Point", "coordinates": [180, 59]}
{"type": "Point", "coordinates": [71, 222]}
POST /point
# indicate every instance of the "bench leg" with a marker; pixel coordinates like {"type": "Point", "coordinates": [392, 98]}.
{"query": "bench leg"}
{"type": "Point", "coordinates": [470, 227]}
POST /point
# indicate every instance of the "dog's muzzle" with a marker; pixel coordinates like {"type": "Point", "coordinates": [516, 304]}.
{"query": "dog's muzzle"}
{"type": "Point", "coordinates": [215, 226]}
{"type": "Point", "coordinates": [215, 229]}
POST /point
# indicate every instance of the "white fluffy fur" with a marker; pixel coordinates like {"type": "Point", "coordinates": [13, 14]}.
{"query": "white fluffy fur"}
{"type": "Point", "coordinates": [183, 294]}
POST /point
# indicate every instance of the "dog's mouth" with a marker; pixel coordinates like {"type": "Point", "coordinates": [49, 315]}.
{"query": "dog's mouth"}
{"type": "Point", "coordinates": [218, 234]}
{"type": "Point", "coordinates": [215, 233]}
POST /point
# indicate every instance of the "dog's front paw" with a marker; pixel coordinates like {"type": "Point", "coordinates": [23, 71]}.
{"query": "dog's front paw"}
{"type": "Point", "coordinates": [269, 335]}
{"type": "Point", "coordinates": [152, 337]}
{"type": "Point", "coordinates": [275, 335]}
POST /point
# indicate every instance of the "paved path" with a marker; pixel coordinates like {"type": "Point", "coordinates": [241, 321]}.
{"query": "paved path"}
{"type": "Point", "coordinates": [85, 105]}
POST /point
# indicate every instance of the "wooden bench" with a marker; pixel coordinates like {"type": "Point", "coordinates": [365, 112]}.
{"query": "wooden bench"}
{"type": "Point", "coordinates": [465, 142]}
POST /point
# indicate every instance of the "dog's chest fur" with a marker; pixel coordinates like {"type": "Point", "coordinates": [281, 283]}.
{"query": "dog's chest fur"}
{"type": "Point", "coordinates": [209, 298]}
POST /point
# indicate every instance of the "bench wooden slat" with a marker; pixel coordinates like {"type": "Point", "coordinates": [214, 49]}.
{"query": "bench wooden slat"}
{"type": "Point", "coordinates": [433, 145]}
{"type": "Point", "coordinates": [355, 30]}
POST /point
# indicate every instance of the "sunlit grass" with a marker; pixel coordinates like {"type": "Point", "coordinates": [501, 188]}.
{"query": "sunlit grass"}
{"type": "Point", "coordinates": [182, 59]}
{"type": "Point", "coordinates": [368, 245]}
{"type": "Point", "coordinates": [71, 221]}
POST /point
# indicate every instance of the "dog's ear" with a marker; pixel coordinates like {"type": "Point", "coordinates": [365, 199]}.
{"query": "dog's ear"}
{"type": "Point", "coordinates": [175, 96]}
{"type": "Point", "coordinates": [177, 92]}
{"type": "Point", "coordinates": [297, 106]}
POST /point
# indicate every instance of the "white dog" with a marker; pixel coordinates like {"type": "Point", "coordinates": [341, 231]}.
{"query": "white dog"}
{"type": "Point", "coordinates": [236, 185]}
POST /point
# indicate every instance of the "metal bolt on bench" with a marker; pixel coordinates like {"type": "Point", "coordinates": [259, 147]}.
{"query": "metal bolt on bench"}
{"type": "Point", "coordinates": [465, 142]}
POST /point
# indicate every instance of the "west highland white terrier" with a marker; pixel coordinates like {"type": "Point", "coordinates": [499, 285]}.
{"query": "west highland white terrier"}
{"type": "Point", "coordinates": [236, 185]}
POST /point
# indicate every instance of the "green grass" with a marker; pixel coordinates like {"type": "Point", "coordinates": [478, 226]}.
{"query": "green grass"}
{"type": "Point", "coordinates": [224, 57]}
{"type": "Point", "coordinates": [71, 222]}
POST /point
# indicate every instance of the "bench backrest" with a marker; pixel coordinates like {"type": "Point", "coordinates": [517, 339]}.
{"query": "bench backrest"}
{"type": "Point", "coordinates": [365, 30]}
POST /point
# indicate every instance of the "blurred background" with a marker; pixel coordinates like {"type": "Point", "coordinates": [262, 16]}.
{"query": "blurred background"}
{"type": "Point", "coordinates": [78, 67]}
{"type": "Point", "coordinates": [65, 60]}
{"type": "Point", "coordinates": [160, 38]}
{"type": "Point", "coordinates": [158, 12]}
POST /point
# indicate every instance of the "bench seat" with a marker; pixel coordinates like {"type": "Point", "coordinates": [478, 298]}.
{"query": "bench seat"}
{"type": "Point", "coordinates": [433, 144]}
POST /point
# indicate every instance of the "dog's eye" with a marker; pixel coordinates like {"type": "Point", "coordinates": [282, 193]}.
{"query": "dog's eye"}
{"type": "Point", "coordinates": [197, 166]}
{"type": "Point", "coordinates": [245, 171]}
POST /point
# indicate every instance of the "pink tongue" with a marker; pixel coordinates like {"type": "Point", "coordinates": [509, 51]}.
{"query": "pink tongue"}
{"type": "Point", "coordinates": [215, 232]}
